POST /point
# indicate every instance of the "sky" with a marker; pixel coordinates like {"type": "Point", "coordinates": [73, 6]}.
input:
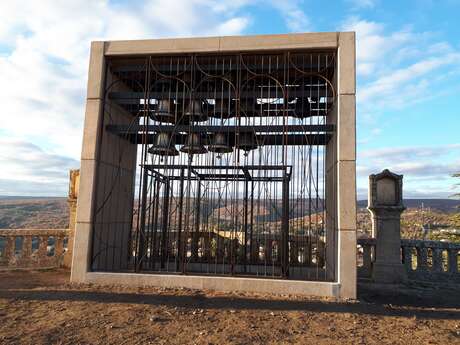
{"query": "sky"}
{"type": "Point", "coordinates": [408, 78]}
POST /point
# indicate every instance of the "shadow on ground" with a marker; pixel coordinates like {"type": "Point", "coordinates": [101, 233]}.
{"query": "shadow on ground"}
{"type": "Point", "coordinates": [405, 301]}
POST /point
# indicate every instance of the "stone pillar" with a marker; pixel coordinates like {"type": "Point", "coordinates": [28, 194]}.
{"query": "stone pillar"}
{"type": "Point", "coordinates": [107, 176]}
{"type": "Point", "coordinates": [90, 149]}
{"type": "Point", "coordinates": [72, 202]}
{"type": "Point", "coordinates": [386, 206]}
{"type": "Point", "coordinates": [341, 173]}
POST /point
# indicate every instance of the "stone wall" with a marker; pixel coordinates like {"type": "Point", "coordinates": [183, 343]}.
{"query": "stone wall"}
{"type": "Point", "coordinates": [386, 258]}
{"type": "Point", "coordinates": [41, 248]}
{"type": "Point", "coordinates": [431, 261]}
{"type": "Point", "coordinates": [32, 248]}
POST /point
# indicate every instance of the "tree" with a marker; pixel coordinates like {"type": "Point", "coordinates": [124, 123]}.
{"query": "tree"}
{"type": "Point", "coordinates": [456, 195]}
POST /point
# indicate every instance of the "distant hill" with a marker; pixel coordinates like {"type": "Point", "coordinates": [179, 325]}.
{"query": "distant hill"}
{"type": "Point", "coordinates": [52, 212]}
{"type": "Point", "coordinates": [443, 205]}
{"type": "Point", "coordinates": [33, 212]}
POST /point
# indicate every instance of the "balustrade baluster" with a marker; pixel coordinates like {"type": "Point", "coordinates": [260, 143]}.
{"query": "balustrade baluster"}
{"type": "Point", "coordinates": [367, 259]}
{"type": "Point", "coordinates": [26, 247]}
{"type": "Point", "coordinates": [407, 257]}
{"type": "Point", "coordinates": [43, 245]}
{"type": "Point", "coordinates": [437, 260]}
{"type": "Point", "coordinates": [9, 250]}
{"type": "Point", "coordinates": [452, 263]}
{"type": "Point", "coordinates": [422, 259]}
{"type": "Point", "coordinates": [294, 252]}
{"type": "Point", "coordinates": [268, 250]}
{"type": "Point", "coordinates": [255, 252]}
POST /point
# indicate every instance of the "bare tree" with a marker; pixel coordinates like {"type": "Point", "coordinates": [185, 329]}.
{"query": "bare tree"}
{"type": "Point", "coordinates": [456, 195]}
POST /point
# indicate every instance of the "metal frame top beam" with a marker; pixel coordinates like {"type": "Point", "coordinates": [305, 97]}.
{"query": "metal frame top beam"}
{"type": "Point", "coordinates": [317, 40]}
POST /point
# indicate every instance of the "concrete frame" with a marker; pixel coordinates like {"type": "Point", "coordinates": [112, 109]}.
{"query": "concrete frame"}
{"type": "Point", "coordinates": [340, 163]}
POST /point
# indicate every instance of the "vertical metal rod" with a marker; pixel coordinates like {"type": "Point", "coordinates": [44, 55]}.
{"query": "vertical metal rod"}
{"type": "Point", "coordinates": [141, 249]}
{"type": "Point", "coordinates": [285, 228]}
{"type": "Point", "coordinates": [179, 227]}
{"type": "Point", "coordinates": [150, 221]}
{"type": "Point", "coordinates": [156, 197]}
{"type": "Point", "coordinates": [252, 222]}
{"type": "Point", "coordinates": [164, 231]}
{"type": "Point", "coordinates": [196, 234]}
{"type": "Point", "coordinates": [245, 208]}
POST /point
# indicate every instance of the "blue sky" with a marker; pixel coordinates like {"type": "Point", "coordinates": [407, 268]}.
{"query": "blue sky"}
{"type": "Point", "coordinates": [408, 74]}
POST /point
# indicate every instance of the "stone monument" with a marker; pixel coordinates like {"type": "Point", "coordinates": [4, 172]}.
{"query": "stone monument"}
{"type": "Point", "coordinates": [386, 206]}
{"type": "Point", "coordinates": [74, 183]}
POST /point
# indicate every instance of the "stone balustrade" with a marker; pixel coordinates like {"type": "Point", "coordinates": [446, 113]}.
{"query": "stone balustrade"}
{"type": "Point", "coordinates": [434, 261]}
{"type": "Point", "coordinates": [33, 248]}
{"type": "Point", "coordinates": [303, 249]}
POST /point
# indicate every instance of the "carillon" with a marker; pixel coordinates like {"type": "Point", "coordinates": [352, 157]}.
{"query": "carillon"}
{"type": "Point", "coordinates": [225, 156]}
{"type": "Point", "coordinates": [259, 208]}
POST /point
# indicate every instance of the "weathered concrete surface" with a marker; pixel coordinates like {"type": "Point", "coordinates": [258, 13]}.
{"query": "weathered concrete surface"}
{"type": "Point", "coordinates": [386, 206]}
{"type": "Point", "coordinates": [346, 165]}
{"type": "Point", "coordinates": [25, 257]}
{"type": "Point", "coordinates": [217, 283]}
{"type": "Point", "coordinates": [325, 40]}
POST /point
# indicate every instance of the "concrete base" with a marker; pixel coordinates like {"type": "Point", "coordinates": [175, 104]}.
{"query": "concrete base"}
{"type": "Point", "coordinates": [256, 285]}
{"type": "Point", "coordinates": [389, 273]}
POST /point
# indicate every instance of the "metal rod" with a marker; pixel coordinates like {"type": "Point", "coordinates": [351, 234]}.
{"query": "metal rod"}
{"type": "Point", "coordinates": [179, 227]}
{"type": "Point", "coordinates": [164, 231]}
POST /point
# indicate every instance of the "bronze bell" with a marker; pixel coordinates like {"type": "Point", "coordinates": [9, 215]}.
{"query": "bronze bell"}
{"type": "Point", "coordinates": [193, 145]}
{"type": "Point", "coordinates": [164, 111]}
{"type": "Point", "coordinates": [220, 144]}
{"type": "Point", "coordinates": [247, 141]}
{"type": "Point", "coordinates": [163, 145]}
{"type": "Point", "coordinates": [223, 109]}
{"type": "Point", "coordinates": [302, 109]}
{"type": "Point", "coordinates": [194, 112]}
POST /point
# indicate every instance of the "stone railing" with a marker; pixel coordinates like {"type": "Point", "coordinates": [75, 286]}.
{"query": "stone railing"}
{"type": "Point", "coordinates": [303, 249]}
{"type": "Point", "coordinates": [33, 248]}
{"type": "Point", "coordinates": [434, 261]}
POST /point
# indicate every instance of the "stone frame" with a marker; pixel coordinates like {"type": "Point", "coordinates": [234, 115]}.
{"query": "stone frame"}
{"type": "Point", "coordinates": [340, 162]}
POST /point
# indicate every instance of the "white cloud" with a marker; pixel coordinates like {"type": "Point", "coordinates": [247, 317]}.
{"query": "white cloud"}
{"type": "Point", "coordinates": [373, 45]}
{"type": "Point", "coordinates": [401, 154]}
{"type": "Point", "coordinates": [427, 170]}
{"type": "Point", "coordinates": [411, 80]}
{"type": "Point", "coordinates": [26, 166]}
{"type": "Point", "coordinates": [45, 46]}
{"type": "Point", "coordinates": [397, 69]}
{"type": "Point", "coordinates": [294, 17]}
{"type": "Point", "coordinates": [44, 69]}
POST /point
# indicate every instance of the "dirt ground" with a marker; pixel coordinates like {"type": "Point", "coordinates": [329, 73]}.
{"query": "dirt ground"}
{"type": "Point", "coordinates": [43, 308]}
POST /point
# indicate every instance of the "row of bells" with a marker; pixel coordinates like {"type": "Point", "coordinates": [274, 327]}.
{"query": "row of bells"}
{"type": "Point", "coordinates": [165, 146]}
{"type": "Point", "coordinates": [164, 111]}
